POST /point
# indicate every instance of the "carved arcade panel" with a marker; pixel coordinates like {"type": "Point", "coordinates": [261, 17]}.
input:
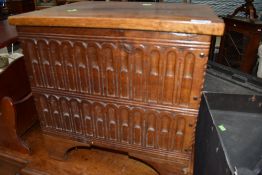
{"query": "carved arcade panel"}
{"type": "Point", "coordinates": [133, 91]}
{"type": "Point", "coordinates": [124, 124]}
{"type": "Point", "coordinates": [167, 73]}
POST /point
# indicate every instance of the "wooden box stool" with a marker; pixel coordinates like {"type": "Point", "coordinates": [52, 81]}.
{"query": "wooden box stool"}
{"type": "Point", "coordinates": [120, 75]}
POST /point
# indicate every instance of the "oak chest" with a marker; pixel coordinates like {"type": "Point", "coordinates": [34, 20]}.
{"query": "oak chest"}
{"type": "Point", "coordinates": [120, 75]}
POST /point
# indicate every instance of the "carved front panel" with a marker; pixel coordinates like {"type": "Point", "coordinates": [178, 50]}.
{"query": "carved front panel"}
{"type": "Point", "coordinates": [162, 71]}
{"type": "Point", "coordinates": [134, 91]}
{"type": "Point", "coordinates": [116, 123]}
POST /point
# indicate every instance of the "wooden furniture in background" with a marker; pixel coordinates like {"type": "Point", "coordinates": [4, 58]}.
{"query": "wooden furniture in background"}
{"type": "Point", "coordinates": [8, 34]}
{"type": "Point", "coordinates": [17, 111]}
{"type": "Point", "coordinates": [248, 9]}
{"type": "Point", "coordinates": [20, 6]}
{"type": "Point", "coordinates": [120, 75]}
{"type": "Point", "coordinates": [240, 42]}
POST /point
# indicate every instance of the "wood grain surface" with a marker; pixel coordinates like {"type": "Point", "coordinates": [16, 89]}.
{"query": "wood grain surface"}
{"type": "Point", "coordinates": [80, 161]}
{"type": "Point", "coordinates": [168, 17]}
{"type": "Point", "coordinates": [120, 76]}
{"type": "Point", "coordinates": [131, 91]}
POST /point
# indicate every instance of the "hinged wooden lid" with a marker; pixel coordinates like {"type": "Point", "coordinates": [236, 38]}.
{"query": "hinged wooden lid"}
{"type": "Point", "coordinates": [169, 17]}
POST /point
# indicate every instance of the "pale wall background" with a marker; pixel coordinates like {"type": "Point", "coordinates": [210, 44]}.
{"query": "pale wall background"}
{"type": "Point", "coordinates": [224, 7]}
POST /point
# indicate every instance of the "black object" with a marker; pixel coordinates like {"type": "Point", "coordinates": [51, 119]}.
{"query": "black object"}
{"type": "Point", "coordinates": [223, 79]}
{"type": "Point", "coordinates": [248, 8]}
{"type": "Point", "coordinates": [233, 101]}
{"type": "Point", "coordinates": [229, 135]}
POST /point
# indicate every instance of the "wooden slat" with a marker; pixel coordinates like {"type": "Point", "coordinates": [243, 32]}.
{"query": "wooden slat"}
{"type": "Point", "coordinates": [168, 17]}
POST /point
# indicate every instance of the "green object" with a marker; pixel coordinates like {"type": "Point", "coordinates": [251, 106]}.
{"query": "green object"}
{"type": "Point", "coordinates": [4, 61]}
{"type": "Point", "coordinates": [222, 128]}
{"type": "Point", "coordinates": [72, 10]}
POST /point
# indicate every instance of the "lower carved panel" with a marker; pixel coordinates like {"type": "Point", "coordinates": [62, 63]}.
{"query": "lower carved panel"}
{"type": "Point", "coordinates": [119, 124]}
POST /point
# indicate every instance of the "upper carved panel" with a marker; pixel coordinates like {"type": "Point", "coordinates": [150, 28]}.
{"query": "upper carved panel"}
{"type": "Point", "coordinates": [165, 73]}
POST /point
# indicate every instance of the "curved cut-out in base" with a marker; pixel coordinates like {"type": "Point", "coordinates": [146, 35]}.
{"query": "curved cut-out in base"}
{"type": "Point", "coordinates": [58, 148]}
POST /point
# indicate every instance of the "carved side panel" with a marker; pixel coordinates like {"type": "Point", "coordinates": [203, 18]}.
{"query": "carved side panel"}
{"type": "Point", "coordinates": [198, 77]}
{"type": "Point", "coordinates": [189, 133]}
{"type": "Point", "coordinates": [33, 66]}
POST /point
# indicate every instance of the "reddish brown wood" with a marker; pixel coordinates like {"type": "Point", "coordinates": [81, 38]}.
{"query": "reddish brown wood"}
{"type": "Point", "coordinates": [10, 137]}
{"type": "Point", "coordinates": [10, 164]}
{"type": "Point", "coordinates": [79, 161]}
{"type": "Point", "coordinates": [62, 146]}
{"type": "Point", "coordinates": [252, 30]}
{"type": "Point", "coordinates": [17, 112]}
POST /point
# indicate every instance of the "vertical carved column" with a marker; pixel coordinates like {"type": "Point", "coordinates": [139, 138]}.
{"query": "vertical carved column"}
{"type": "Point", "coordinates": [82, 64]}
{"type": "Point", "coordinates": [124, 123]}
{"type": "Point", "coordinates": [138, 73]}
{"type": "Point", "coordinates": [169, 77]}
{"type": "Point", "coordinates": [58, 64]}
{"type": "Point", "coordinates": [187, 79]}
{"type": "Point", "coordinates": [95, 68]}
{"type": "Point", "coordinates": [151, 130]}
{"type": "Point", "coordinates": [69, 65]}
{"type": "Point", "coordinates": [124, 75]}
{"type": "Point", "coordinates": [154, 76]}
{"type": "Point", "coordinates": [112, 123]}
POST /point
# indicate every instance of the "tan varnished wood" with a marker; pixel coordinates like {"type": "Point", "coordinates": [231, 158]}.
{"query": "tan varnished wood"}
{"type": "Point", "coordinates": [82, 161]}
{"type": "Point", "coordinates": [170, 17]}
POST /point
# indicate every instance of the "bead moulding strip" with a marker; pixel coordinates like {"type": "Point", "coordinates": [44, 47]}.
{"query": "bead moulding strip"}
{"type": "Point", "coordinates": [159, 41]}
{"type": "Point", "coordinates": [95, 98]}
{"type": "Point", "coordinates": [175, 156]}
